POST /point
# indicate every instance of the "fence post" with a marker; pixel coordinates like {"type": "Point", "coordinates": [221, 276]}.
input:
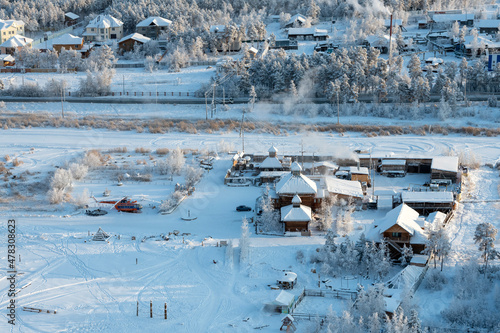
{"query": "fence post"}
{"type": "Point", "coordinates": [179, 93]}
{"type": "Point", "coordinates": [172, 93]}
{"type": "Point", "coordinates": [150, 93]}
{"type": "Point", "coordinates": [164, 93]}
{"type": "Point", "coordinates": [188, 94]}
{"type": "Point", "coordinates": [165, 311]}
{"type": "Point", "coordinates": [137, 309]}
{"type": "Point", "coordinates": [142, 93]}
{"type": "Point", "coordinates": [151, 309]}
{"type": "Point", "coordinates": [135, 93]}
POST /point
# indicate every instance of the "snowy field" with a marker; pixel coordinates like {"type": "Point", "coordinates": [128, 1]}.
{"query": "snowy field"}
{"type": "Point", "coordinates": [96, 286]}
{"type": "Point", "coordinates": [126, 79]}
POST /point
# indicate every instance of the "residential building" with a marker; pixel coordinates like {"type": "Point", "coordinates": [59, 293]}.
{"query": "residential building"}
{"type": "Point", "coordinates": [6, 60]}
{"type": "Point", "coordinates": [103, 28]}
{"type": "Point", "coordinates": [15, 43]}
{"type": "Point", "coordinates": [70, 19]}
{"type": "Point", "coordinates": [127, 43]}
{"type": "Point", "coordinates": [67, 42]}
{"type": "Point", "coordinates": [10, 28]}
{"type": "Point", "coordinates": [153, 26]}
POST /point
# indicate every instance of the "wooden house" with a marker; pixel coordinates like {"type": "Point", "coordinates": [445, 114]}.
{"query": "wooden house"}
{"type": "Point", "coordinates": [15, 43]}
{"type": "Point", "coordinates": [127, 43]}
{"type": "Point", "coordinates": [70, 19]}
{"type": "Point", "coordinates": [487, 26]}
{"type": "Point", "coordinates": [361, 174]}
{"type": "Point", "coordinates": [400, 227]}
{"type": "Point", "coordinates": [271, 163]}
{"type": "Point", "coordinates": [295, 183]}
{"type": "Point", "coordinates": [394, 168]}
{"type": "Point", "coordinates": [287, 323]}
{"type": "Point", "coordinates": [347, 190]}
{"type": "Point", "coordinates": [153, 26]}
{"type": "Point", "coordinates": [67, 42]}
{"type": "Point", "coordinates": [469, 45]}
{"type": "Point", "coordinates": [297, 20]}
{"type": "Point", "coordinates": [224, 39]}
{"type": "Point", "coordinates": [307, 34]}
{"type": "Point", "coordinates": [287, 280]}
{"type": "Point", "coordinates": [285, 44]}
{"type": "Point", "coordinates": [447, 20]}
{"type": "Point", "coordinates": [445, 167]}
{"type": "Point", "coordinates": [296, 217]}
{"type": "Point", "coordinates": [429, 202]}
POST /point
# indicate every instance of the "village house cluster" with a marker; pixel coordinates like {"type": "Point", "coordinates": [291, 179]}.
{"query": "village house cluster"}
{"type": "Point", "coordinates": [298, 183]}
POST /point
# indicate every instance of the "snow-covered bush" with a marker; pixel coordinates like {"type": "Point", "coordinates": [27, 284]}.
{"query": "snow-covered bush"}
{"type": "Point", "coordinates": [79, 171]}
{"type": "Point", "coordinates": [492, 102]}
{"type": "Point", "coordinates": [193, 175]}
{"type": "Point", "coordinates": [434, 279]}
{"type": "Point", "coordinates": [62, 180]}
{"type": "Point", "coordinates": [244, 242]}
{"type": "Point", "coordinates": [55, 196]}
{"type": "Point", "coordinates": [93, 159]}
{"type": "Point", "coordinates": [172, 200]}
{"type": "Point", "coordinates": [82, 200]}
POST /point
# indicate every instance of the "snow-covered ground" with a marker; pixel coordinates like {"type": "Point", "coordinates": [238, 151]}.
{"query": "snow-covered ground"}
{"type": "Point", "coordinates": [95, 286]}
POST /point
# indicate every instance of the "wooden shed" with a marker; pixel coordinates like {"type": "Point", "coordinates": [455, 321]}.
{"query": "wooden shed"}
{"type": "Point", "coordinates": [429, 201]}
{"type": "Point", "coordinates": [393, 168]}
{"type": "Point", "coordinates": [445, 167]}
{"type": "Point", "coordinates": [127, 43]}
{"type": "Point", "coordinates": [288, 280]}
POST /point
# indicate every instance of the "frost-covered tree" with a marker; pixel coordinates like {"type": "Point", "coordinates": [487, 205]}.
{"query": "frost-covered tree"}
{"type": "Point", "coordinates": [485, 236]}
{"type": "Point", "coordinates": [406, 255]}
{"type": "Point", "coordinates": [414, 67]}
{"type": "Point", "coordinates": [270, 217]}
{"type": "Point", "coordinates": [444, 110]}
{"type": "Point", "coordinates": [176, 161]}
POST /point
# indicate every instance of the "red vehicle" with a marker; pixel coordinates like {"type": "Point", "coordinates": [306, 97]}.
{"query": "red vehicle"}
{"type": "Point", "coordinates": [124, 205]}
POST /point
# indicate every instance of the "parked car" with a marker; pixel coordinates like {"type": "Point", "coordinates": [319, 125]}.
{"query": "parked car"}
{"type": "Point", "coordinates": [243, 208]}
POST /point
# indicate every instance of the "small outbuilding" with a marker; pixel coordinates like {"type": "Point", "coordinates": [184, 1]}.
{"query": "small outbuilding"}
{"type": "Point", "coordinates": [445, 167]}
{"type": "Point", "coordinates": [393, 168]}
{"type": "Point", "coordinates": [429, 201]}
{"type": "Point", "coordinates": [70, 19]}
{"type": "Point", "coordinates": [100, 235]}
{"type": "Point", "coordinates": [287, 280]}
{"type": "Point", "coordinates": [67, 42]}
{"type": "Point", "coordinates": [6, 60]}
{"type": "Point", "coordinates": [282, 303]}
{"type": "Point", "coordinates": [287, 323]}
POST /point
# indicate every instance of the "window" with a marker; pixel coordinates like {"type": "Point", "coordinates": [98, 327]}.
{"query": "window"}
{"type": "Point", "coordinates": [102, 31]}
{"type": "Point", "coordinates": [112, 29]}
{"type": "Point", "coordinates": [91, 29]}
{"type": "Point", "coordinates": [396, 234]}
{"type": "Point", "coordinates": [77, 46]}
{"type": "Point", "coordinates": [113, 36]}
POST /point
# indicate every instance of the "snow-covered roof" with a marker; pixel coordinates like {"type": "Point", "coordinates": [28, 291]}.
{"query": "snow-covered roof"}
{"type": "Point", "coordinates": [405, 217]}
{"type": "Point", "coordinates": [6, 57]}
{"type": "Point", "coordinates": [273, 149]}
{"type": "Point", "coordinates": [354, 170]}
{"type": "Point", "coordinates": [253, 50]}
{"type": "Point", "coordinates": [271, 163]}
{"type": "Point", "coordinates": [296, 167]}
{"type": "Point", "coordinates": [67, 39]}
{"type": "Point", "coordinates": [296, 199]}
{"type": "Point", "coordinates": [326, 164]}
{"type": "Point", "coordinates": [469, 40]}
{"type": "Point", "coordinates": [17, 41]}
{"type": "Point", "coordinates": [71, 15]}
{"type": "Point", "coordinates": [436, 218]}
{"type": "Point", "coordinates": [419, 259]}
{"type": "Point", "coordinates": [296, 184]}
{"type": "Point", "coordinates": [288, 277]}
{"type": "Point", "coordinates": [376, 40]}
{"type": "Point", "coordinates": [443, 18]}
{"type": "Point", "coordinates": [428, 196]}
{"type": "Point", "coordinates": [154, 20]}
{"type": "Point", "coordinates": [5, 24]}
{"type": "Point", "coordinates": [269, 174]}
{"type": "Point", "coordinates": [137, 37]}
{"type": "Point", "coordinates": [487, 23]}
{"type": "Point", "coordinates": [295, 214]}
{"type": "Point", "coordinates": [105, 21]}
{"type": "Point", "coordinates": [307, 31]}
{"type": "Point", "coordinates": [392, 162]}
{"type": "Point", "coordinates": [406, 278]}
{"type": "Point", "coordinates": [297, 17]}
{"type": "Point", "coordinates": [284, 298]}
{"type": "Point", "coordinates": [445, 163]}
{"type": "Point", "coordinates": [289, 317]}
{"type": "Point", "coordinates": [345, 187]}
{"type": "Point", "coordinates": [221, 28]}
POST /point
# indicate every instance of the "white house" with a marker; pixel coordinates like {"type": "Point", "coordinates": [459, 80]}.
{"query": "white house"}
{"type": "Point", "coordinates": [104, 28]}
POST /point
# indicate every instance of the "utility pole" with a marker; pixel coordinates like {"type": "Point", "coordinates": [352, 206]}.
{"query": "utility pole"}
{"type": "Point", "coordinates": [390, 43]}
{"type": "Point", "coordinates": [123, 84]}
{"type": "Point", "coordinates": [206, 106]}
{"type": "Point", "coordinates": [302, 151]}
